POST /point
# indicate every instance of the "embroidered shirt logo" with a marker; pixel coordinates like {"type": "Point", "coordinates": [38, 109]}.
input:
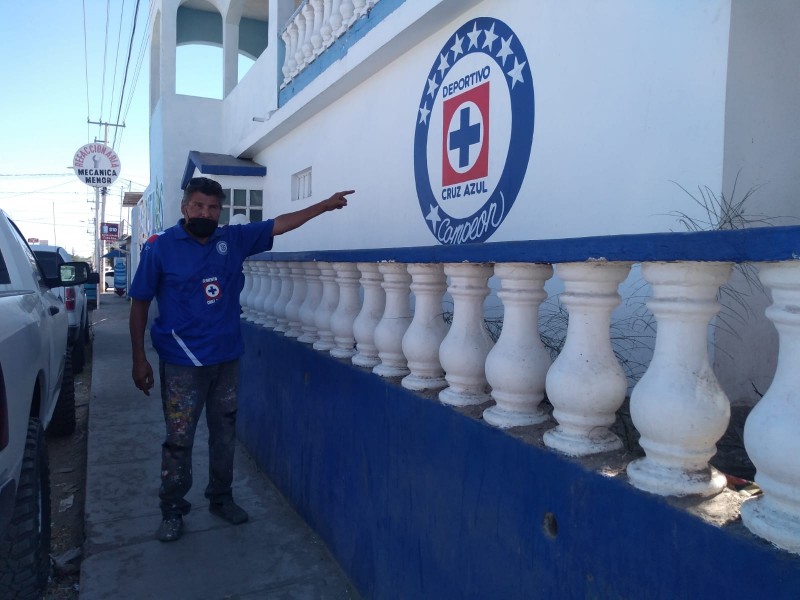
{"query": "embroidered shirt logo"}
{"type": "Point", "coordinates": [212, 290]}
{"type": "Point", "coordinates": [222, 247]}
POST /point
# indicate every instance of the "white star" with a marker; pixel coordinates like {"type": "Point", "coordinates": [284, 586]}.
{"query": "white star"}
{"type": "Point", "coordinates": [443, 64]}
{"type": "Point", "coordinates": [505, 49]}
{"type": "Point", "coordinates": [423, 114]}
{"type": "Point", "coordinates": [457, 47]}
{"type": "Point", "coordinates": [490, 38]}
{"type": "Point", "coordinates": [432, 87]}
{"type": "Point", "coordinates": [516, 72]}
{"type": "Point", "coordinates": [433, 216]}
{"type": "Point", "coordinates": [473, 36]}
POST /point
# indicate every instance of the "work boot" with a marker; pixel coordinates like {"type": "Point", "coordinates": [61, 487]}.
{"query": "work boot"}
{"type": "Point", "coordinates": [229, 511]}
{"type": "Point", "coordinates": [171, 528]}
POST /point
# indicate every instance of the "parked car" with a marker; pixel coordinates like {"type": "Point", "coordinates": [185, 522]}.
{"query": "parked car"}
{"type": "Point", "coordinates": [74, 297]}
{"type": "Point", "coordinates": [37, 392]}
{"type": "Point", "coordinates": [109, 280]}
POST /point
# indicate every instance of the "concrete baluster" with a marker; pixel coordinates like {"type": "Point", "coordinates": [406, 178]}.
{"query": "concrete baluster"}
{"type": "Point", "coordinates": [295, 327]}
{"type": "Point", "coordinates": [310, 304]}
{"type": "Point", "coordinates": [285, 69]}
{"type": "Point", "coordinates": [273, 272]}
{"type": "Point", "coordinates": [346, 10]}
{"type": "Point", "coordinates": [247, 270]}
{"type": "Point", "coordinates": [327, 306]}
{"type": "Point", "coordinates": [299, 55]}
{"type": "Point", "coordinates": [347, 310]}
{"type": "Point", "coordinates": [465, 347]}
{"type": "Point", "coordinates": [396, 319]}
{"type": "Point", "coordinates": [586, 384]}
{"type": "Point", "coordinates": [308, 46]}
{"type": "Point", "coordinates": [285, 271]}
{"type": "Point", "coordinates": [255, 292]}
{"type": "Point", "coordinates": [316, 32]}
{"type": "Point", "coordinates": [263, 292]}
{"type": "Point", "coordinates": [369, 317]}
{"type": "Point", "coordinates": [427, 329]}
{"type": "Point", "coordinates": [771, 431]}
{"type": "Point", "coordinates": [678, 406]}
{"type": "Point", "coordinates": [336, 20]}
{"type": "Point", "coordinates": [325, 29]}
{"type": "Point", "coordinates": [359, 10]}
{"type": "Point", "coordinates": [517, 366]}
{"type": "Point", "coordinates": [291, 50]}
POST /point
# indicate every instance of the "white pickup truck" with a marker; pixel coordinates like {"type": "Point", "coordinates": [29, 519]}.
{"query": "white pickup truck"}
{"type": "Point", "coordinates": [36, 393]}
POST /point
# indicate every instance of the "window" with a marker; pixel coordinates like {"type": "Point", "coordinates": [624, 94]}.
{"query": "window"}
{"type": "Point", "coordinates": [301, 184]}
{"type": "Point", "coordinates": [249, 203]}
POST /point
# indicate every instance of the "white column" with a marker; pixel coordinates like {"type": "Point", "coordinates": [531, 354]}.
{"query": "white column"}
{"type": "Point", "coordinates": [772, 430]}
{"type": "Point", "coordinates": [465, 347]}
{"type": "Point", "coordinates": [295, 327]}
{"type": "Point", "coordinates": [310, 304]}
{"type": "Point", "coordinates": [255, 290]}
{"type": "Point", "coordinates": [517, 366]}
{"type": "Point", "coordinates": [359, 10]}
{"type": "Point", "coordinates": [586, 384]}
{"type": "Point", "coordinates": [347, 310]}
{"type": "Point", "coordinates": [286, 68]}
{"type": "Point", "coordinates": [327, 306]}
{"type": "Point", "coordinates": [299, 55]}
{"type": "Point", "coordinates": [346, 10]}
{"type": "Point", "coordinates": [273, 272]}
{"type": "Point", "coordinates": [263, 292]}
{"type": "Point", "coordinates": [335, 20]}
{"type": "Point", "coordinates": [316, 33]}
{"type": "Point", "coordinates": [678, 407]}
{"type": "Point", "coordinates": [396, 319]}
{"type": "Point", "coordinates": [308, 47]}
{"type": "Point", "coordinates": [325, 29]}
{"type": "Point", "coordinates": [427, 329]}
{"type": "Point", "coordinates": [284, 270]}
{"type": "Point", "coordinates": [247, 269]}
{"type": "Point", "coordinates": [291, 50]}
{"type": "Point", "coordinates": [369, 317]}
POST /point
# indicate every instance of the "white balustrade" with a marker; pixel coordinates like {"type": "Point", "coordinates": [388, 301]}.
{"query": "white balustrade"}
{"type": "Point", "coordinates": [273, 272]}
{"type": "Point", "coordinates": [465, 347]}
{"type": "Point", "coordinates": [369, 317]}
{"type": "Point", "coordinates": [308, 46]}
{"type": "Point", "coordinates": [678, 406]}
{"type": "Point", "coordinates": [395, 321]}
{"type": "Point", "coordinates": [263, 292]}
{"type": "Point", "coordinates": [327, 306]}
{"type": "Point", "coordinates": [427, 329]}
{"type": "Point", "coordinates": [586, 384]}
{"type": "Point", "coordinates": [255, 292]}
{"type": "Point", "coordinates": [772, 430]}
{"type": "Point", "coordinates": [299, 55]}
{"type": "Point", "coordinates": [325, 29]}
{"type": "Point", "coordinates": [285, 271]}
{"type": "Point", "coordinates": [310, 304]}
{"type": "Point", "coordinates": [291, 50]}
{"type": "Point", "coordinates": [517, 365]}
{"type": "Point", "coordinates": [335, 20]}
{"type": "Point", "coordinates": [295, 326]}
{"type": "Point", "coordinates": [347, 310]}
{"type": "Point", "coordinates": [247, 270]}
{"type": "Point", "coordinates": [359, 10]}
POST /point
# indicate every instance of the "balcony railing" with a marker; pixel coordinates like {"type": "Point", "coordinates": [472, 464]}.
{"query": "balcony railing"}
{"type": "Point", "coordinates": [356, 305]}
{"type": "Point", "coordinates": [313, 27]}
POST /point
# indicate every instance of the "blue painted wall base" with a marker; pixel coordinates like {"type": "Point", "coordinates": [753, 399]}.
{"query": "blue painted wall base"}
{"type": "Point", "coordinates": [417, 500]}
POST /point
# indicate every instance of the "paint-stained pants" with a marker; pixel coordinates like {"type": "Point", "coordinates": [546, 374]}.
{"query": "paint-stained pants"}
{"type": "Point", "coordinates": [184, 392]}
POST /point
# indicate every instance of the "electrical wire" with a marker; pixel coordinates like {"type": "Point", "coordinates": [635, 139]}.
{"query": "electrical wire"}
{"type": "Point", "coordinates": [116, 59]}
{"type": "Point", "coordinates": [86, 67]}
{"type": "Point", "coordinates": [139, 62]}
{"type": "Point", "coordinates": [127, 64]}
{"type": "Point", "coordinates": [105, 62]}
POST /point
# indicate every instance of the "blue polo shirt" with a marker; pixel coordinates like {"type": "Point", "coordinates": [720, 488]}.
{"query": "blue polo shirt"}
{"type": "Point", "coordinates": [197, 287]}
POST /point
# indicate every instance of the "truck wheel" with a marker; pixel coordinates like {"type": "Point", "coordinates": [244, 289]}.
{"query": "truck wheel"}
{"type": "Point", "coordinates": [25, 547]}
{"type": "Point", "coordinates": [63, 421]}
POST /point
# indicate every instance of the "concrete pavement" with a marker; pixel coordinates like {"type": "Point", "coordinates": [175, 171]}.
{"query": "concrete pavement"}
{"type": "Point", "coordinates": [274, 555]}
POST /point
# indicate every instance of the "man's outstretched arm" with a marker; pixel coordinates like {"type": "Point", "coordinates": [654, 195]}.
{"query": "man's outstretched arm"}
{"type": "Point", "coordinates": [293, 220]}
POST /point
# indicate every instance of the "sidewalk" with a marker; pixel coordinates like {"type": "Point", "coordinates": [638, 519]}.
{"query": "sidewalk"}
{"type": "Point", "coordinates": [274, 555]}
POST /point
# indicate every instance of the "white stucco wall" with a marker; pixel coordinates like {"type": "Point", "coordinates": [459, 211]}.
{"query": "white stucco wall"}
{"type": "Point", "coordinates": [630, 97]}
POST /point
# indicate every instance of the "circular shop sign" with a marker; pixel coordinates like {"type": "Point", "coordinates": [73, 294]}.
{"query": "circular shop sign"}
{"type": "Point", "coordinates": [474, 132]}
{"type": "Point", "coordinates": [96, 165]}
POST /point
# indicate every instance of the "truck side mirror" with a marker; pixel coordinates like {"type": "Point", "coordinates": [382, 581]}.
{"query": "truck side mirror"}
{"type": "Point", "coordinates": [94, 277]}
{"type": "Point", "coordinates": [71, 273]}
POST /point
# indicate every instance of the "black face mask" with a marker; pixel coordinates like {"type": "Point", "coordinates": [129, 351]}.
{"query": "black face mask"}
{"type": "Point", "coordinates": [201, 227]}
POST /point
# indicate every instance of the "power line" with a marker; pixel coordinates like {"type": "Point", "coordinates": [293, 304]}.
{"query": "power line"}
{"type": "Point", "coordinates": [138, 68]}
{"type": "Point", "coordinates": [86, 66]}
{"type": "Point", "coordinates": [116, 59]}
{"type": "Point", "coordinates": [127, 64]}
{"type": "Point", "coordinates": [105, 62]}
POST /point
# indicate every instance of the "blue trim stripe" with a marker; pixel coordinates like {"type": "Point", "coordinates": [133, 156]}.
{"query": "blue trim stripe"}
{"type": "Point", "coordinates": [744, 245]}
{"type": "Point", "coordinates": [220, 164]}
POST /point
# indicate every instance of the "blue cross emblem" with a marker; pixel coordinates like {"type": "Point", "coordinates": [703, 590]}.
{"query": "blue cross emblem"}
{"type": "Point", "coordinates": [465, 136]}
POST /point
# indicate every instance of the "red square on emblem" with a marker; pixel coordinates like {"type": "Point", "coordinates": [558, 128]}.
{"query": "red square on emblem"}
{"type": "Point", "coordinates": [465, 136]}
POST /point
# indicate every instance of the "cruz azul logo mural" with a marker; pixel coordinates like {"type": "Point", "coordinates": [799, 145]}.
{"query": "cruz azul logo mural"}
{"type": "Point", "coordinates": [474, 132]}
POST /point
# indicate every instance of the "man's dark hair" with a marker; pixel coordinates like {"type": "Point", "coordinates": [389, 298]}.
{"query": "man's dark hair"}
{"type": "Point", "coordinates": [204, 185]}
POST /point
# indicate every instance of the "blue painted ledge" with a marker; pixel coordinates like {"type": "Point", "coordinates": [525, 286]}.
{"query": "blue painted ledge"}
{"type": "Point", "coordinates": [743, 245]}
{"type": "Point", "coordinates": [422, 501]}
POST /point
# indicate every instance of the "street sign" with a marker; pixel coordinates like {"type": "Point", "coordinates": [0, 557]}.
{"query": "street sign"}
{"type": "Point", "coordinates": [96, 165]}
{"type": "Point", "coordinates": [109, 232]}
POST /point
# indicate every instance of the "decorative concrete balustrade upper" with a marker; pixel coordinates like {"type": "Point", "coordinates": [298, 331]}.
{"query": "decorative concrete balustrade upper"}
{"type": "Point", "coordinates": [678, 406]}
{"type": "Point", "coordinates": [313, 27]}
